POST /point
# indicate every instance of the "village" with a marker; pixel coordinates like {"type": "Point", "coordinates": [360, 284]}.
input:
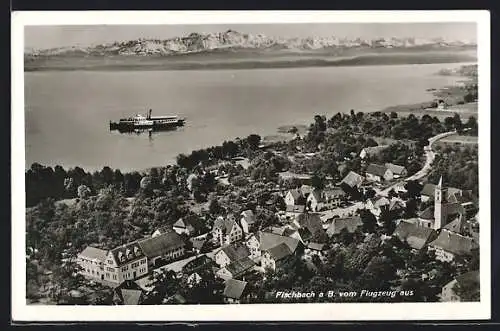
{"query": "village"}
{"type": "Point", "coordinates": [240, 247]}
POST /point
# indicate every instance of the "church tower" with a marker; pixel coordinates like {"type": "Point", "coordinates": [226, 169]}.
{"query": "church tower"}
{"type": "Point", "coordinates": [439, 199]}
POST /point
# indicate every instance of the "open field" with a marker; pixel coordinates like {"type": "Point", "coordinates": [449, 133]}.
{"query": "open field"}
{"type": "Point", "coordinates": [457, 139]}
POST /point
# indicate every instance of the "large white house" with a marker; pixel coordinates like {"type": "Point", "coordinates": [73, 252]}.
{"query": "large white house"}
{"type": "Point", "coordinates": [91, 260]}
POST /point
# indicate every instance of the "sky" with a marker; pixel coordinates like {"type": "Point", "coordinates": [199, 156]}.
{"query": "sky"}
{"type": "Point", "coordinates": [40, 37]}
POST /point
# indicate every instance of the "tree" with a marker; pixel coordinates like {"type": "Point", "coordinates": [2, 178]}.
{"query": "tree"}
{"type": "Point", "coordinates": [253, 141]}
{"type": "Point", "coordinates": [413, 188]}
{"type": "Point", "coordinates": [318, 181]}
{"type": "Point", "coordinates": [369, 221]}
{"type": "Point", "coordinates": [472, 125]}
{"type": "Point", "coordinates": [467, 289]}
{"type": "Point", "coordinates": [387, 220]}
{"type": "Point", "coordinates": [214, 207]}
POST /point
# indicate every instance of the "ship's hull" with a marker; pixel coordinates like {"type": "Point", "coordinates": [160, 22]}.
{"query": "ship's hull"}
{"type": "Point", "coordinates": [157, 125]}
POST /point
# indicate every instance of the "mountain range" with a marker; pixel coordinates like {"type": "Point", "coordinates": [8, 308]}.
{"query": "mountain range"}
{"type": "Point", "coordinates": [233, 41]}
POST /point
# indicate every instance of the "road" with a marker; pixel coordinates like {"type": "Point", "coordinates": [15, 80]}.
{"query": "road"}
{"type": "Point", "coordinates": [430, 155]}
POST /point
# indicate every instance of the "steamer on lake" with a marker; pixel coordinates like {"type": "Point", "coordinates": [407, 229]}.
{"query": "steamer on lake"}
{"type": "Point", "coordinates": [152, 123]}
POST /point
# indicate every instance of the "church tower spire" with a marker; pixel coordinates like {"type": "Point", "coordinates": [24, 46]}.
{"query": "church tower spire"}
{"type": "Point", "coordinates": [438, 207]}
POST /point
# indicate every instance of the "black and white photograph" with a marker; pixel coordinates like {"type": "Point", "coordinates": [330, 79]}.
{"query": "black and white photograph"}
{"type": "Point", "coordinates": [234, 165]}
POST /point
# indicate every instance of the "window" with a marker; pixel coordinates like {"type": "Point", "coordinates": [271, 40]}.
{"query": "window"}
{"type": "Point", "coordinates": [114, 277]}
{"type": "Point", "coordinates": [107, 274]}
{"type": "Point", "coordinates": [111, 269]}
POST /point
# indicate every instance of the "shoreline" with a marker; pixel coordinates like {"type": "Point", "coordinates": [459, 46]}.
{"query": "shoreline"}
{"type": "Point", "coordinates": [165, 64]}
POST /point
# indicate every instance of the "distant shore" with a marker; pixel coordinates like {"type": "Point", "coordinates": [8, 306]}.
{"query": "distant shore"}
{"type": "Point", "coordinates": [118, 63]}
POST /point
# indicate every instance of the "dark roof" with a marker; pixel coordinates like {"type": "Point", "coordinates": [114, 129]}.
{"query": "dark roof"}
{"type": "Point", "coordinates": [311, 222]}
{"type": "Point", "coordinates": [376, 169]}
{"type": "Point", "coordinates": [268, 240]}
{"type": "Point", "coordinates": [396, 169]}
{"type": "Point", "coordinates": [427, 213]}
{"type": "Point", "coordinates": [249, 216]}
{"type": "Point", "coordinates": [348, 223]}
{"type": "Point", "coordinates": [225, 224]}
{"type": "Point", "coordinates": [234, 288]}
{"type": "Point", "coordinates": [316, 246]}
{"type": "Point", "coordinates": [94, 253]}
{"type": "Point", "coordinates": [317, 194]}
{"type": "Point", "coordinates": [276, 230]}
{"type": "Point", "coordinates": [198, 263]}
{"type": "Point", "coordinates": [449, 210]}
{"type": "Point", "coordinates": [161, 244]}
{"type": "Point", "coordinates": [296, 194]}
{"type": "Point", "coordinates": [279, 252]}
{"type": "Point", "coordinates": [131, 297]}
{"type": "Point", "coordinates": [428, 190]}
{"type": "Point", "coordinates": [353, 179]}
{"type": "Point", "coordinates": [236, 252]}
{"type": "Point", "coordinates": [197, 242]}
{"type": "Point", "coordinates": [127, 253]}
{"type": "Point", "coordinates": [456, 225]}
{"type": "Point", "coordinates": [454, 243]}
{"type": "Point", "coordinates": [237, 268]}
{"type": "Point", "coordinates": [416, 236]}
{"type": "Point", "coordinates": [192, 223]}
{"type": "Point", "coordinates": [128, 293]}
{"type": "Point", "coordinates": [295, 208]}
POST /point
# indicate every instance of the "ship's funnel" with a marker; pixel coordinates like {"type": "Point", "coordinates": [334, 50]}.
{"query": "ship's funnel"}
{"type": "Point", "coordinates": [149, 114]}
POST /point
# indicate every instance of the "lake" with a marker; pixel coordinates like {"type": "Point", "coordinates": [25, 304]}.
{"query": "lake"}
{"type": "Point", "coordinates": [68, 113]}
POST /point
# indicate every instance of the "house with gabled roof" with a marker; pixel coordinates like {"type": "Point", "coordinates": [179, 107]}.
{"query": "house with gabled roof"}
{"type": "Point", "coordinates": [236, 269]}
{"type": "Point", "coordinates": [275, 256]}
{"type": "Point", "coordinates": [268, 240]}
{"type": "Point", "coordinates": [415, 235]}
{"type": "Point", "coordinates": [248, 220]}
{"type": "Point", "coordinates": [349, 224]}
{"type": "Point", "coordinates": [315, 200]}
{"type": "Point", "coordinates": [397, 170]}
{"type": "Point", "coordinates": [449, 246]}
{"type": "Point", "coordinates": [326, 198]}
{"type": "Point", "coordinates": [166, 247]}
{"type": "Point", "coordinates": [311, 228]}
{"type": "Point", "coordinates": [91, 260]}
{"type": "Point", "coordinates": [378, 173]}
{"type": "Point", "coordinates": [234, 290]}
{"type": "Point", "coordinates": [230, 253]}
{"type": "Point", "coordinates": [128, 293]}
{"type": "Point", "coordinates": [294, 197]}
{"type": "Point", "coordinates": [126, 262]}
{"type": "Point", "coordinates": [226, 230]}
{"type": "Point", "coordinates": [352, 180]}
{"type": "Point", "coordinates": [190, 225]}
